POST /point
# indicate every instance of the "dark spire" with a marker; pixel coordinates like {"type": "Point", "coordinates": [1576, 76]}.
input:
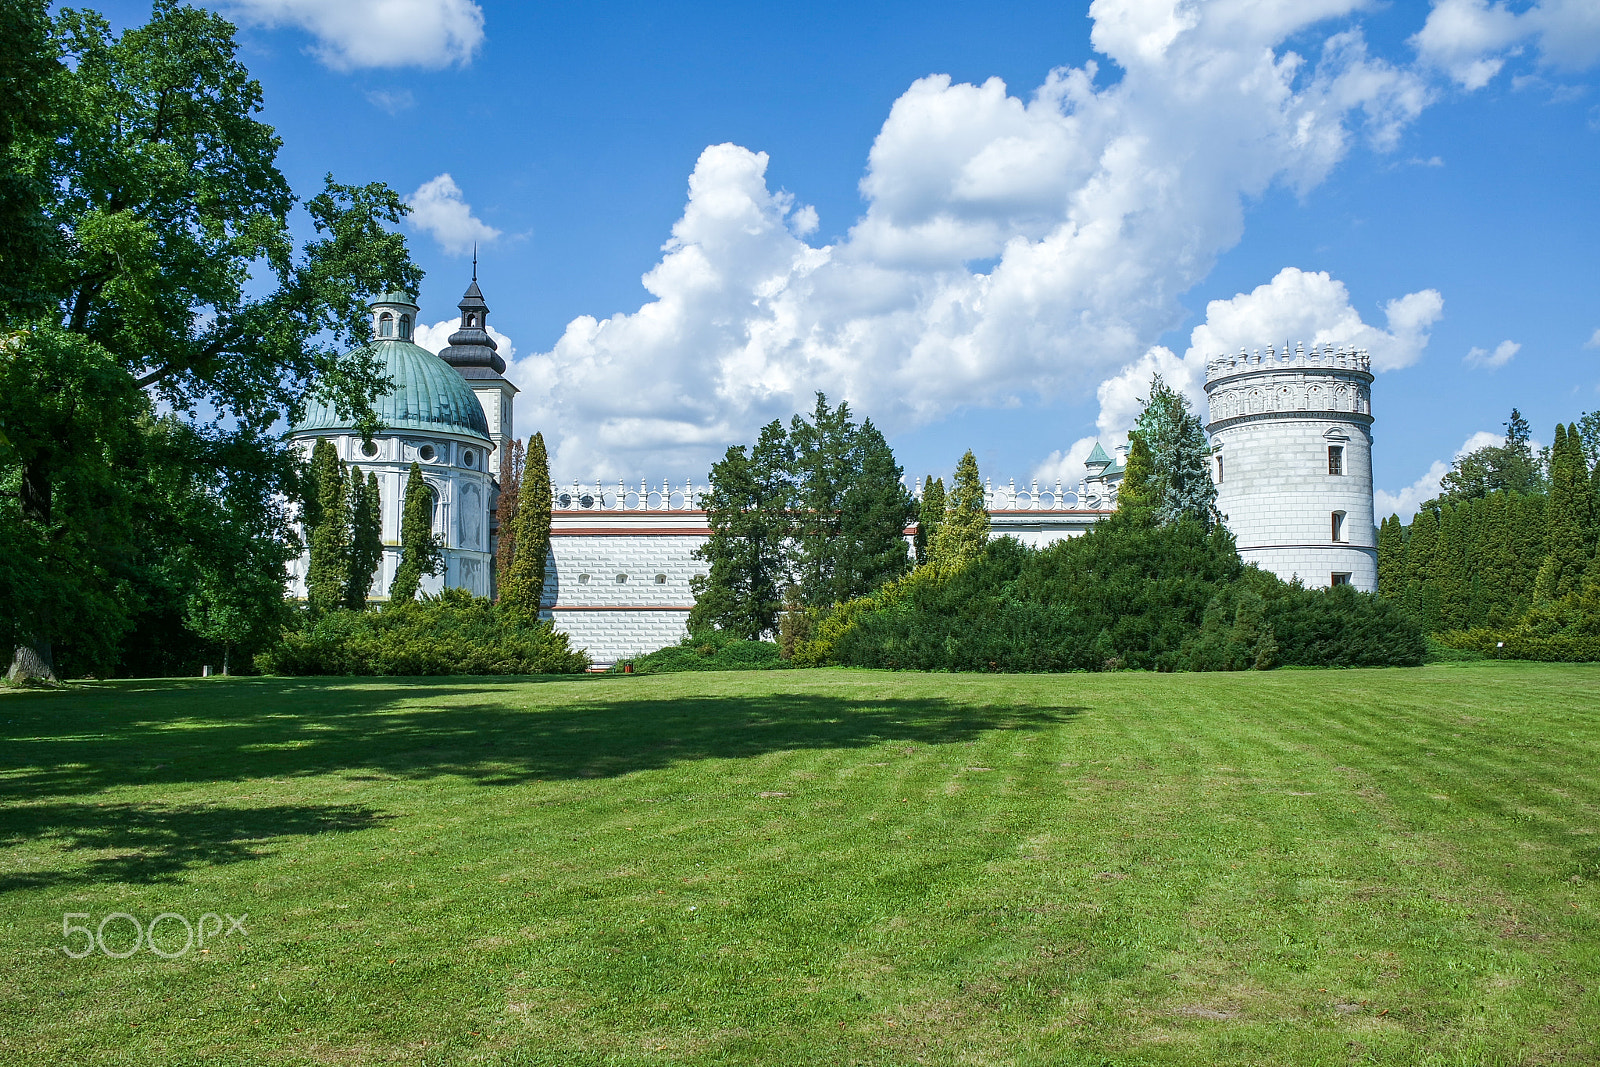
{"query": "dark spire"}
{"type": "Point", "coordinates": [471, 345]}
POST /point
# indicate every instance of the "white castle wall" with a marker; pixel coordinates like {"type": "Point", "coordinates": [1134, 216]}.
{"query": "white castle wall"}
{"type": "Point", "coordinates": [1274, 416]}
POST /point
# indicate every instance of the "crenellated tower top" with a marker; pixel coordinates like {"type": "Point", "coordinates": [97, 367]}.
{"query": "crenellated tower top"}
{"type": "Point", "coordinates": [1320, 357]}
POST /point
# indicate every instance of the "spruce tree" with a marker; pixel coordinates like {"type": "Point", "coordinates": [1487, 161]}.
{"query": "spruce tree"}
{"type": "Point", "coordinates": [1171, 480]}
{"type": "Point", "coordinates": [511, 467]}
{"type": "Point", "coordinates": [964, 530]}
{"type": "Point", "coordinates": [930, 514]}
{"type": "Point", "coordinates": [873, 517]}
{"type": "Point", "coordinates": [825, 461]}
{"type": "Point", "coordinates": [420, 551]}
{"type": "Point", "coordinates": [366, 537]}
{"type": "Point", "coordinates": [522, 593]}
{"type": "Point", "coordinates": [328, 570]}
{"type": "Point", "coordinates": [1391, 558]}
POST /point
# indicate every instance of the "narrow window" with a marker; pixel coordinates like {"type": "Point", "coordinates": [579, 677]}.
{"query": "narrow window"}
{"type": "Point", "coordinates": [1219, 470]}
{"type": "Point", "coordinates": [472, 320]}
{"type": "Point", "coordinates": [386, 325]}
{"type": "Point", "coordinates": [621, 578]}
{"type": "Point", "coordinates": [583, 579]}
{"type": "Point", "coordinates": [1338, 526]}
{"type": "Point", "coordinates": [661, 579]}
{"type": "Point", "coordinates": [1336, 459]}
{"type": "Point", "coordinates": [1341, 577]}
{"type": "Point", "coordinates": [405, 327]}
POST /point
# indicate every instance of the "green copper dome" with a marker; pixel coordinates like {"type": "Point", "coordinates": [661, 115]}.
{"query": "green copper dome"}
{"type": "Point", "coordinates": [428, 396]}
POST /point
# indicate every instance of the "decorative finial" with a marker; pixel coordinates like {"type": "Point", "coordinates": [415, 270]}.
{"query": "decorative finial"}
{"type": "Point", "coordinates": [474, 261]}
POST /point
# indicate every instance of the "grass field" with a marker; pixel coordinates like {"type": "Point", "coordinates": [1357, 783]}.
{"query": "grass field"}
{"type": "Point", "coordinates": [810, 867]}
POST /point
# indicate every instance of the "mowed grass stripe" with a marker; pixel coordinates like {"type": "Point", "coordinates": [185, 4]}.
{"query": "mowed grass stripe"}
{"type": "Point", "coordinates": [1152, 869]}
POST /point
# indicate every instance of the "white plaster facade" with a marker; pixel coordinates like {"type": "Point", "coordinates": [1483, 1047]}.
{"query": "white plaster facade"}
{"type": "Point", "coordinates": [1291, 438]}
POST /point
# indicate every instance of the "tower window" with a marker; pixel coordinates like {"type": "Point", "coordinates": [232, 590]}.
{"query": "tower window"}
{"type": "Point", "coordinates": [405, 327]}
{"type": "Point", "coordinates": [369, 448]}
{"type": "Point", "coordinates": [1338, 526]}
{"type": "Point", "coordinates": [661, 579]}
{"type": "Point", "coordinates": [1219, 470]}
{"type": "Point", "coordinates": [466, 458]}
{"type": "Point", "coordinates": [386, 325]}
{"type": "Point", "coordinates": [427, 453]}
{"type": "Point", "coordinates": [1341, 578]}
{"type": "Point", "coordinates": [472, 320]}
{"type": "Point", "coordinates": [1336, 460]}
{"type": "Point", "coordinates": [583, 579]}
{"type": "Point", "coordinates": [621, 578]}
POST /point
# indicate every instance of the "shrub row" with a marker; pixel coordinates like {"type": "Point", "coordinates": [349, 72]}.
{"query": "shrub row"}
{"type": "Point", "coordinates": [712, 650]}
{"type": "Point", "coordinates": [453, 633]}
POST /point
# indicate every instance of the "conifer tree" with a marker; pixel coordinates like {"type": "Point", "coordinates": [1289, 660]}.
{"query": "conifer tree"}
{"type": "Point", "coordinates": [1567, 519]}
{"type": "Point", "coordinates": [1177, 484]}
{"type": "Point", "coordinates": [1451, 582]}
{"type": "Point", "coordinates": [824, 461]}
{"type": "Point", "coordinates": [747, 508]}
{"type": "Point", "coordinates": [366, 537]}
{"type": "Point", "coordinates": [873, 517]}
{"type": "Point", "coordinates": [964, 530]}
{"type": "Point", "coordinates": [1421, 600]}
{"type": "Point", "coordinates": [523, 590]}
{"type": "Point", "coordinates": [1391, 558]}
{"type": "Point", "coordinates": [1135, 493]}
{"type": "Point", "coordinates": [506, 511]}
{"type": "Point", "coordinates": [328, 570]}
{"type": "Point", "coordinates": [420, 552]}
{"type": "Point", "coordinates": [930, 513]}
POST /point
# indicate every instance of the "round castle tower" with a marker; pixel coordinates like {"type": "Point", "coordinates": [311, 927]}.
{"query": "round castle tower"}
{"type": "Point", "coordinates": [1291, 441]}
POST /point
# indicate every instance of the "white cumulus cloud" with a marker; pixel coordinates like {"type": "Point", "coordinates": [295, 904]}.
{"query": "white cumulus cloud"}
{"type": "Point", "coordinates": [1482, 357]}
{"type": "Point", "coordinates": [1296, 307]}
{"type": "Point", "coordinates": [436, 338]}
{"type": "Point", "coordinates": [1067, 466]}
{"type": "Point", "coordinates": [437, 209]}
{"type": "Point", "coordinates": [351, 34]}
{"type": "Point", "coordinates": [1013, 247]}
{"type": "Point", "coordinates": [1472, 39]}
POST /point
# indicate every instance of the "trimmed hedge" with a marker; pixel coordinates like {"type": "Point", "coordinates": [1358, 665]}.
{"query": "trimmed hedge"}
{"type": "Point", "coordinates": [452, 633]}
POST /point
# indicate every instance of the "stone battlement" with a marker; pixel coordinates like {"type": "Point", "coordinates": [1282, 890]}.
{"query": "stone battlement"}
{"type": "Point", "coordinates": [1320, 357]}
{"type": "Point", "coordinates": [592, 497]}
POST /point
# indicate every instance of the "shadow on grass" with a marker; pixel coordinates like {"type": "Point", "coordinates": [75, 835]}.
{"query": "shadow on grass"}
{"type": "Point", "coordinates": [156, 844]}
{"type": "Point", "coordinates": [153, 733]}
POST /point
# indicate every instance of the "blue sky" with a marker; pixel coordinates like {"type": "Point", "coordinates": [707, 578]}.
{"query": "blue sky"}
{"type": "Point", "coordinates": [972, 265]}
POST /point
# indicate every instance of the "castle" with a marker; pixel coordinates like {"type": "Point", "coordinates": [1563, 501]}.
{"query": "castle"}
{"type": "Point", "coordinates": [1291, 446]}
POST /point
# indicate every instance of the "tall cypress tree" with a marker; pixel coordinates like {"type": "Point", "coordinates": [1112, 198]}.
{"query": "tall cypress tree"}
{"type": "Point", "coordinates": [420, 552]}
{"type": "Point", "coordinates": [1451, 582]}
{"type": "Point", "coordinates": [964, 530]}
{"type": "Point", "coordinates": [930, 513]}
{"type": "Point", "coordinates": [523, 589]}
{"type": "Point", "coordinates": [1567, 519]}
{"type": "Point", "coordinates": [366, 537]}
{"type": "Point", "coordinates": [511, 468]}
{"type": "Point", "coordinates": [1391, 558]}
{"type": "Point", "coordinates": [1421, 599]}
{"type": "Point", "coordinates": [328, 570]}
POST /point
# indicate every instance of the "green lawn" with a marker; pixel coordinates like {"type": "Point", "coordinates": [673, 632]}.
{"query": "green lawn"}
{"type": "Point", "coordinates": [811, 867]}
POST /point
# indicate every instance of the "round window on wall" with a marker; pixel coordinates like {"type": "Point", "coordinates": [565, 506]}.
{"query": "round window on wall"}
{"type": "Point", "coordinates": [369, 448]}
{"type": "Point", "coordinates": [427, 453]}
{"type": "Point", "coordinates": [466, 458]}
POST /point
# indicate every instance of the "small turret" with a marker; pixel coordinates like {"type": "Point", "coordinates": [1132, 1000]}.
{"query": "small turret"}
{"type": "Point", "coordinates": [392, 316]}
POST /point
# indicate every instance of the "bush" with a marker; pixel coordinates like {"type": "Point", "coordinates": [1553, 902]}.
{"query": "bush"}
{"type": "Point", "coordinates": [709, 650]}
{"type": "Point", "coordinates": [1128, 594]}
{"type": "Point", "coordinates": [1567, 630]}
{"type": "Point", "coordinates": [452, 633]}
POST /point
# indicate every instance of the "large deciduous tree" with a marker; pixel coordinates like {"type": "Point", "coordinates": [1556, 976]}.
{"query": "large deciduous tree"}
{"type": "Point", "coordinates": [146, 259]}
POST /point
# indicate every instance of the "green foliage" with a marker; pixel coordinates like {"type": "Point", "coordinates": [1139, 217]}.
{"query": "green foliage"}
{"type": "Point", "coordinates": [930, 513]}
{"type": "Point", "coordinates": [1569, 519]}
{"type": "Point", "coordinates": [328, 570]}
{"type": "Point", "coordinates": [748, 510]}
{"type": "Point", "coordinates": [452, 633]}
{"type": "Point", "coordinates": [1511, 467]}
{"type": "Point", "coordinates": [964, 529]}
{"type": "Point", "coordinates": [1391, 558]}
{"type": "Point", "coordinates": [144, 226]}
{"type": "Point", "coordinates": [512, 466]}
{"type": "Point", "coordinates": [1129, 594]}
{"type": "Point", "coordinates": [1177, 483]}
{"type": "Point", "coordinates": [420, 551]}
{"type": "Point", "coordinates": [1559, 630]}
{"type": "Point", "coordinates": [522, 591]}
{"type": "Point", "coordinates": [709, 650]}
{"type": "Point", "coordinates": [366, 537]}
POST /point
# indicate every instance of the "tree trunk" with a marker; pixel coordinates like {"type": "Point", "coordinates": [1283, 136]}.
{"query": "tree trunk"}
{"type": "Point", "coordinates": [31, 663]}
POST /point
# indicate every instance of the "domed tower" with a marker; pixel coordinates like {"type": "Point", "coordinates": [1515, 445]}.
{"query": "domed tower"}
{"type": "Point", "coordinates": [475, 356]}
{"type": "Point", "coordinates": [429, 416]}
{"type": "Point", "coordinates": [1291, 440]}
